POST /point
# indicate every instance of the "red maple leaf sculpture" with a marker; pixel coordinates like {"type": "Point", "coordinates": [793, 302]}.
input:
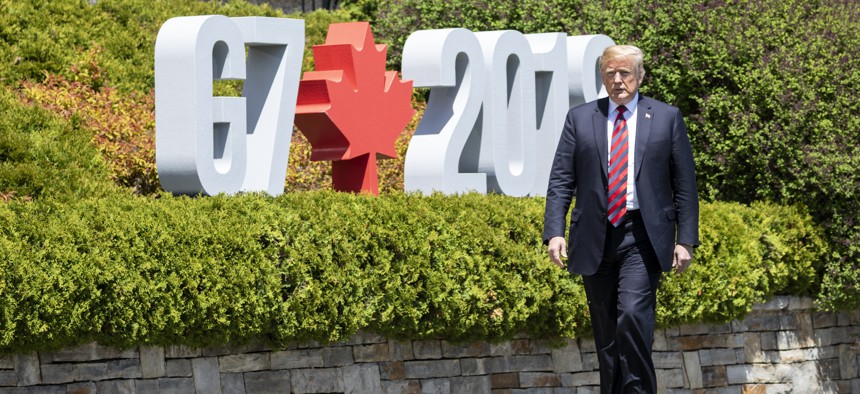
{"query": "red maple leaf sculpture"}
{"type": "Point", "coordinates": [351, 109]}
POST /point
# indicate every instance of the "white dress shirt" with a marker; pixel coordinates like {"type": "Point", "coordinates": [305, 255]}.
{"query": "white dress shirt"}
{"type": "Point", "coordinates": [630, 117]}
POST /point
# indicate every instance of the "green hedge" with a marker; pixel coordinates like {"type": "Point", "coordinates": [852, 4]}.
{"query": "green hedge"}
{"type": "Point", "coordinates": [321, 265]}
{"type": "Point", "coordinates": [766, 88]}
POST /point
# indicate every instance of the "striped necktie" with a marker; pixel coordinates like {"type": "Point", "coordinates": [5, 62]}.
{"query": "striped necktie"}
{"type": "Point", "coordinates": [618, 169]}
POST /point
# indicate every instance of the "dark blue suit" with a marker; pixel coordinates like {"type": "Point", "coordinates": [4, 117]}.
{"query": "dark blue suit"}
{"type": "Point", "coordinates": [621, 266]}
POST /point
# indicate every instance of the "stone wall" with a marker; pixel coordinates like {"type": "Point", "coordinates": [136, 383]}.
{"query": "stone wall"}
{"type": "Point", "coordinates": [780, 347]}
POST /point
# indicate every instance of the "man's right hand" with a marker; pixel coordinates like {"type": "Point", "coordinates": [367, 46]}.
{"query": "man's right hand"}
{"type": "Point", "coordinates": [557, 249]}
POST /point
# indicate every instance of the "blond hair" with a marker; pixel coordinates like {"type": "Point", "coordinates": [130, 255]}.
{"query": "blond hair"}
{"type": "Point", "coordinates": [624, 51]}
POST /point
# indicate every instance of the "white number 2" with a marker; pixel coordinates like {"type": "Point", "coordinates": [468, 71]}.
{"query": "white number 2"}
{"type": "Point", "coordinates": [496, 108]}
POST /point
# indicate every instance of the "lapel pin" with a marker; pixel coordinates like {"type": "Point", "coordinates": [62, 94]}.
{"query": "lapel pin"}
{"type": "Point", "coordinates": [647, 115]}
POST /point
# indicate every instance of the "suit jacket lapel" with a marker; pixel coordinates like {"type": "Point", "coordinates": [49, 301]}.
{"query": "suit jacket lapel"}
{"type": "Point", "coordinates": [599, 119]}
{"type": "Point", "coordinates": [643, 131]}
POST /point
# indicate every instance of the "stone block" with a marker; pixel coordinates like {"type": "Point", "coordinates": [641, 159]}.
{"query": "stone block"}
{"type": "Point", "coordinates": [580, 379]}
{"type": "Point", "coordinates": [7, 362]}
{"type": "Point", "coordinates": [245, 362]}
{"type": "Point", "coordinates": [787, 340]}
{"type": "Point", "coordinates": [761, 322]}
{"type": "Point", "coordinates": [370, 353]}
{"type": "Point", "coordinates": [501, 349]}
{"type": "Point", "coordinates": [667, 360]}
{"type": "Point", "coordinates": [431, 369]}
{"type": "Point", "coordinates": [534, 390]}
{"type": "Point", "coordinates": [68, 372]}
{"type": "Point", "coordinates": [471, 385]}
{"type": "Point", "coordinates": [539, 379]}
{"type": "Point", "coordinates": [322, 380]}
{"type": "Point", "coordinates": [778, 303]}
{"type": "Point", "coordinates": [849, 368]}
{"type": "Point", "coordinates": [27, 369]}
{"type": "Point", "coordinates": [693, 368]}
{"type": "Point", "coordinates": [123, 369]}
{"type": "Point", "coordinates": [475, 349]}
{"type": "Point", "coordinates": [521, 347]}
{"type": "Point", "coordinates": [505, 380]}
{"type": "Point", "coordinates": [693, 342]}
{"type": "Point", "coordinates": [233, 383]}
{"type": "Point", "coordinates": [435, 386]}
{"type": "Point", "coordinates": [181, 351]}
{"type": "Point", "coordinates": [87, 352]}
{"type": "Point", "coordinates": [590, 362]}
{"type": "Point", "coordinates": [116, 386]}
{"type": "Point", "coordinates": [588, 390]}
{"type": "Point", "coordinates": [207, 375]}
{"type": "Point", "coordinates": [8, 378]}
{"type": "Point", "coordinates": [299, 358]}
{"type": "Point", "coordinates": [714, 377]}
{"type": "Point", "coordinates": [401, 387]}
{"type": "Point", "coordinates": [665, 343]}
{"type": "Point", "coordinates": [710, 357]}
{"type": "Point", "coordinates": [670, 378]}
{"type": "Point", "coordinates": [175, 385]}
{"type": "Point", "coordinates": [536, 363]}
{"type": "Point", "coordinates": [146, 386]}
{"type": "Point", "coordinates": [268, 382]}
{"type": "Point", "coordinates": [564, 390]}
{"type": "Point", "coordinates": [752, 348]}
{"type": "Point", "coordinates": [81, 388]}
{"type": "Point", "coordinates": [586, 345]}
{"type": "Point", "coordinates": [768, 341]}
{"type": "Point", "coordinates": [152, 361]}
{"type": "Point", "coordinates": [766, 373]}
{"type": "Point", "coordinates": [400, 351]}
{"type": "Point", "coordinates": [177, 368]}
{"type": "Point", "coordinates": [788, 322]}
{"type": "Point", "coordinates": [473, 366]}
{"type": "Point", "coordinates": [567, 358]}
{"type": "Point", "coordinates": [424, 350]}
{"type": "Point", "coordinates": [797, 303]}
{"type": "Point", "coordinates": [823, 319]}
{"type": "Point", "coordinates": [361, 378]}
{"type": "Point", "coordinates": [394, 370]}
{"type": "Point", "coordinates": [334, 356]}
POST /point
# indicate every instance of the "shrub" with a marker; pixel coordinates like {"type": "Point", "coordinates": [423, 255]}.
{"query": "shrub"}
{"type": "Point", "coordinates": [127, 270]}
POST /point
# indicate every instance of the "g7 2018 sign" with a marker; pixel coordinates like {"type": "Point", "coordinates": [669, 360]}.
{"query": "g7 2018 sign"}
{"type": "Point", "coordinates": [496, 107]}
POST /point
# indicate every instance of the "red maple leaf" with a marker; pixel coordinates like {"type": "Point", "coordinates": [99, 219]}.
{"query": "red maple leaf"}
{"type": "Point", "coordinates": [351, 109]}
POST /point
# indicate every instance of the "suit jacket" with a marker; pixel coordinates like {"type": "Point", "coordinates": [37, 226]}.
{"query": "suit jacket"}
{"type": "Point", "coordinates": [665, 180]}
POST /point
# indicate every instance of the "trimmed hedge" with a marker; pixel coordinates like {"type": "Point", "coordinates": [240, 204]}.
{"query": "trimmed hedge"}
{"type": "Point", "coordinates": [321, 265]}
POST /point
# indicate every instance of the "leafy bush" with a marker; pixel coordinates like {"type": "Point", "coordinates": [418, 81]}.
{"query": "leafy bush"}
{"type": "Point", "coordinates": [765, 86]}
{"type": "Point", "coordinates": [201, 271]}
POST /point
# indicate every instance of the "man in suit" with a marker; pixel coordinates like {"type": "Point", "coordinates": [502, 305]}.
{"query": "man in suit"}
{"type": "Point", "coordinates": [628, 160]}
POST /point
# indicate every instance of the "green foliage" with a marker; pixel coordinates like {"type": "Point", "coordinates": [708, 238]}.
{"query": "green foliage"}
{"type": "Point", "coordinates": [319, 266]}
{"type": "Point", "coordinates": [42, 156]}
{"type": "Point", "coordinates": [765, 86]}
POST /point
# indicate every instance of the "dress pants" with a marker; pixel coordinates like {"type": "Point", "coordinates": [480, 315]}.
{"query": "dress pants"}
{"type": "Point", "coordinates": [622, 299]}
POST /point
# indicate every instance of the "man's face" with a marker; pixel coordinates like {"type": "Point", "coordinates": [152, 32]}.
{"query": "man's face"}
{"type": "Point", "coordinates": [621, 79]}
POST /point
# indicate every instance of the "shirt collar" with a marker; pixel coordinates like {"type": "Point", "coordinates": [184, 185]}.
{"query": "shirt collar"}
{"type": "Point", "coordinates": [631, 106]}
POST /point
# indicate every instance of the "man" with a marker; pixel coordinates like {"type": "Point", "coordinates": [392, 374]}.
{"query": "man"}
{"type": "Point", "coordinates": [629, 161]}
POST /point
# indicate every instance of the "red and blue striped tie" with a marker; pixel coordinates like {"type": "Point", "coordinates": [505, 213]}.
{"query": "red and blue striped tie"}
{"type": "Point", "coordinates": [618, 169]}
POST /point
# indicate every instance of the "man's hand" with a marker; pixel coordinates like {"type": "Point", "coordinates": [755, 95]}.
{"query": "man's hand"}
{"type": "Point", "coordinates": [557, 250]}
{"type": "Point", "coordinates": [683, 258]}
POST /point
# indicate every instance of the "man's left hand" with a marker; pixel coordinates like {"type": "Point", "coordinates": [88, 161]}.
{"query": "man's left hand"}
{"type": "Point", "coordinates": [682, 259]}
